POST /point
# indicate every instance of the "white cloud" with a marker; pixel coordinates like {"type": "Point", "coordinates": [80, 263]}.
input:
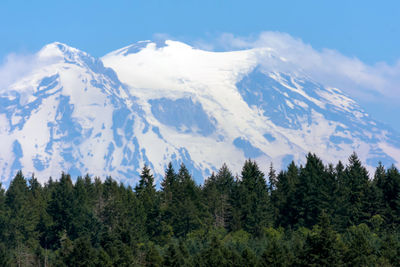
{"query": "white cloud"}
{"type": "Point", "coordinates": [351, 75]}
{"type": "Point", "coordinates": [15, 67]}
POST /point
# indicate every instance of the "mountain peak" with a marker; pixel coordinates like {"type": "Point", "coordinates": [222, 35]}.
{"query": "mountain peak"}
{"type": "Point", "coordinates": [148, 44]}
{"type": "Point", "coordinates": [61, 51]}
{"type": "Point", "coordinates": [57, 47]}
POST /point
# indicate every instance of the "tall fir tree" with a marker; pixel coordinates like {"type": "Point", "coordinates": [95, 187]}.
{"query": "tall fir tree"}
{"type": "Point", "coordinates": [272, 179]}
{"type": "Point", "coordinates": [376, 198]}
{"type": "Point", "coordinates": [322, 247]}
{"type": "Point", "coordinates": [313, 191]}
{"type": "Point", "coordinates": [254, 204]}
{"type": "Point", "coordinates": [357, 190]}
{"type": "Point", "coordinates": [21, 220]}
{"type": "Point", "coordinates": [148, 196]}
{"type": "Point", "coordinates": [188, 210]}
{"type": "Point", "coordinates": [3, 214]}
{"type": "Point", "coordinates": [218, 190]}
{"type": "Point", "coordinates": [391, 196]}
{"type": "Point", "coordinates": [284, 197]}
{"type": "Point", "coordinates": [168, 184]}
{"type": "Point", "coordinates": [61, 208]}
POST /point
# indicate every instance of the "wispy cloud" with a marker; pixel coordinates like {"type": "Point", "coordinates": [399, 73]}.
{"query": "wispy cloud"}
{"type": "Point", "coordinates": [327, 66]}
{"type": "Point", "coordinates": [14, 67]}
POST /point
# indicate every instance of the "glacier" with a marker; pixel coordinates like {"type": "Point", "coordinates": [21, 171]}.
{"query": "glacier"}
{"type": "Point", "coordinates": [155, 103]}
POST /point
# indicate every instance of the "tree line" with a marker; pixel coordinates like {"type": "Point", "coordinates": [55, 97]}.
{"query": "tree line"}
{"type": "Point", "coordinates": [311, 215]}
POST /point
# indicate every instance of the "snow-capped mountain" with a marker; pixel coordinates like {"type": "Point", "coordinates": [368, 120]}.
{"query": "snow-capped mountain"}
{"type": "Point", "coordinates": [150, 103]}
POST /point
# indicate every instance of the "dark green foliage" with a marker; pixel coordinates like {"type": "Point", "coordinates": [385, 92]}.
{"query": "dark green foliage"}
{"type": "Point", "coordinates": [183, 208]}
{"type": "Point", "coordinates": [218, 195]}
{"type": "Point", "coordinates": [60, 209]}
{"type": "Point", "coordinates": [272, 179]}
{"type": "Point", "coordinates": [321, 247]}
{"type": "Point", "coordinates": [215, 253]}
{"type": "Point", "coordinates": [391, 196]}
{"type": "Point", "coordinates": [213, 256]}
{"type": "Point", "coordinates": [153, 257]}
{"type": "Point", "coordinates": [103, 259]}
{"type": "Point", "coordinates": [275, 254]}
{"type": "Point", "coordinates": [324, 216]}
{"type": "Point", "coordinates": [376, 198]}
{"type": "Point", "coordinates": [253, 200]}
{"type": "Point", "coordinates": [313, 192]}
{"type": "Point", "coordinates": [78, 253]}
{"type": "Point", "coordinates": [123, 215]}
{"type": "Point", "coordinates": [5, 255]}
{"type": "Point", "coordinates": [390, 249]}
{"type": "Point", "coordinates": [249, 259]}
{"type": "Point", "coordinates": [355, 193]}
{"type": "Point", "coordinates": [284, 199]}
{"type": "Point", "coordinates": [150, 201]}
{"type": "Point", "coordinates": [361, 246]}
{"type": "Point", "coordinates": [21, 219]}
{"type": "Point", "coordinates": [176, 256]}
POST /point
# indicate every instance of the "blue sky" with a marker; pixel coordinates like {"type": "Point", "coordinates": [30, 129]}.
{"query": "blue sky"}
{"type": "Point", "coordinates": [365, 30]}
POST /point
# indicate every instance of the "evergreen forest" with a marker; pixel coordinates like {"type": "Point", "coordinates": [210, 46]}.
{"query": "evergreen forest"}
{"type": "Point", "coordinates": [305, 215]}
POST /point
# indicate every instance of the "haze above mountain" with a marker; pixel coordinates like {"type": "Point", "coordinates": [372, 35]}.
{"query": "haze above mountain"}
{"type": "Point", "coordinates": [154, 103]}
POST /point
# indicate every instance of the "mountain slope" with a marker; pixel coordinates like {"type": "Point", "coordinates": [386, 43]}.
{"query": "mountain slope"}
{"type": "Point", "coordinates": [63, 117]}
{"type": "Point", "coordinates": [261, 105]}
{"type": "Point", "coordinates": [155, 104]}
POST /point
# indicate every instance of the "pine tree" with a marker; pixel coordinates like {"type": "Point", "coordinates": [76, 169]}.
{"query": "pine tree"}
{"type": "Point", "coordinates": [84, 221]}
{"type": "Point", "coordinates": [249, 259]}
{"type": "Point", "coordinates": [217, 191]}
{"type": "Point", "coordinates": [168, 184]}
{"type": "Point", "coordinates": [272, 179]}
{"type": "Point", "coordinates": [341, 207]}
{"type": "Point", "coordinates": [21, 221]}
{"type": "Point", "coordinates": [284, 197]}
{"type": "Point", "coordinates": [124, 216]}
{"type": "Point", "coordinates": [235, 223]}
{"type": "Point", "coordinates": [321, 248]}
{"type": "Point", "coordinates": [390, 249]}
{"type": "Point", "coordinates": [146, 187]}
{"type": "Point", "coordinates": [153, 258]}
{"type": "Point", "coordinates": [82, 254]}
{"type": "Point", "coordinates": [360, 243]}
{"type": "Point", "coordinates": [173, 257]}
{"type": "Point", "coordinates": [187, 209]}
{"type": "Point", "coordinates": [333, 192]}
{"type": "Point", "coordinates": [103, 259]}
{"type": "Point", "coordinates": [224, 180]}
{"type": "Point", "coordinates": [3, 214]}
{"type": "Point", "coordinates": [254, 205]}
{"type": "Point", "coordinates": [60, 209]}
{"type": "Point", "coordinates": [375, 197]}
{"type": "Point", "coordinates": [356, 181]}
{"type": "Point", "coordinates": [213, 255]}
{"type": "Point", "coordinates": [380, 176]}
{"type": "Point", "coordinates": [147, 195]}
{"type": "Point", "coordinates": [212, 199]}
{"type": "Point", "coordinates": [391, 196]}
{"type": "Point", "coordinates": [313, 191]}
{"type": "Point", "coordinates": [275, 254]}
{"type": "Point", "coordinates": [5, 255]}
